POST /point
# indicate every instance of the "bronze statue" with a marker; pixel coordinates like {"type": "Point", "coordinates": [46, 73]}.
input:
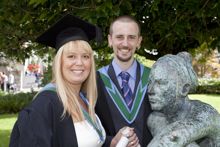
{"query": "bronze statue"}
{"type": "Point", "coordinates": [177, 121]}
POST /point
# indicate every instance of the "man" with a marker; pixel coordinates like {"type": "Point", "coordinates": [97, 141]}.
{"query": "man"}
{"type": "Point", "coordinates": [124, 102]}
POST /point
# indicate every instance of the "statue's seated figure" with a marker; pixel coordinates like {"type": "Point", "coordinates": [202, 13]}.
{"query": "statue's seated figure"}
{"type": "Point", "coordinates": [177, 121]}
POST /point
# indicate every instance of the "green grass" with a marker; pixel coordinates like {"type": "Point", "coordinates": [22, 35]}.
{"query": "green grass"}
{"type": "Point", "coordinates": [6, 123]}
{"type": "Point", "coordinates": [213, 100]}
{"type": "Point", "coordinates": [7, 120]}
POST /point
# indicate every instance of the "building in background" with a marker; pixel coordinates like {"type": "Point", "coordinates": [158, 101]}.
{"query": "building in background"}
{"type": "Point", "coordinates": [24, 73]}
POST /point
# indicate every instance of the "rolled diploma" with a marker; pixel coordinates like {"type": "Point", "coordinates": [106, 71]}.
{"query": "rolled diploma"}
{"type": "Point", "coordinates": [124, 140]}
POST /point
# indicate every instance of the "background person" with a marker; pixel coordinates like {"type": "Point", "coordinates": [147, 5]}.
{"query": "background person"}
{"type": "Point", "coordinates": [37, 78]}
{"type": "Point", "coordinates": [11, 82]}
{"type": "Point", "coordinates": [1, 81]}
{"type": "Point", "coordinates": [122, 85]}
{"type": "Point", "coordinates": [5, 81]}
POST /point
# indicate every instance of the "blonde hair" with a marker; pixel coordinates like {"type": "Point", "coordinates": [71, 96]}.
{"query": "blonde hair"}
{"type": "Point", "coordinates": [66, 93]}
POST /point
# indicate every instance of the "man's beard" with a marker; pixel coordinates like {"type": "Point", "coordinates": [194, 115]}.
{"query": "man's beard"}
{"type": "Point", "coordinates": [124, 59]}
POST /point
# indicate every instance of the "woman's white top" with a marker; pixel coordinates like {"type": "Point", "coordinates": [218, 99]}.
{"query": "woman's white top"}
{"type": "Point", "coordinates": [86, 134]}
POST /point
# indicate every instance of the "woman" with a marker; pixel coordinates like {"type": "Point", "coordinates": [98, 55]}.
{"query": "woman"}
{"type": "Point", "coordinates": [62, 113]}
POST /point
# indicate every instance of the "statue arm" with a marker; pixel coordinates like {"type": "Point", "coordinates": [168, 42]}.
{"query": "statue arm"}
{"type": "Point", "coordinates": [156, 122]}
{"type": "Point", "coordinates": [181, 133]}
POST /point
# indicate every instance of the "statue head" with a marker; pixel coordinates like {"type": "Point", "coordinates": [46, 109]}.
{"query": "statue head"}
{"type": "Point", "coordinates": [171, 79]}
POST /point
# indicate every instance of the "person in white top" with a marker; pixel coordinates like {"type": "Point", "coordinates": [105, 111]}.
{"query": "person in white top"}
{"type": "Point", "coordinates": [11, 78]}
{"type": "Point", "coordinates": [11, 81]}
{"type": "Point", "coordinates": [5, 81]}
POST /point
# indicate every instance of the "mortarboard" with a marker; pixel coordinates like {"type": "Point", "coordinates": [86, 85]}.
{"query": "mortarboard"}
{"type": "Point", "coordinates": [69, 28]}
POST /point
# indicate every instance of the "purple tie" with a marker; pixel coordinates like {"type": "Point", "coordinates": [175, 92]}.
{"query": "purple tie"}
{"type": "Point", "coordinates": [126, 90]}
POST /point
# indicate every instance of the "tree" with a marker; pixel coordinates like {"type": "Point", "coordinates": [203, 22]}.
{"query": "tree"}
{"type": "Point", "coordinates": [173, 26]}
{"type": "Point", "coordinates": [169, 26]}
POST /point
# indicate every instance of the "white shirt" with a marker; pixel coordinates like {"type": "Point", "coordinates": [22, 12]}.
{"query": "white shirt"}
{"type": "Point", "coordinates": [131, 70]}
{"type": "Point", "coordinates": [87, 136]}
{"type": "Point", "coordinates": [11, 79]}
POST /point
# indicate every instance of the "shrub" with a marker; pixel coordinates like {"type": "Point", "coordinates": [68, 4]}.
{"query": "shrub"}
{"type": "Point", "coordinates": [13, 103]}
{"type": "Point", "coordinates": [208, 86]}
{"type": "Point", "coordinates": [208, 89]}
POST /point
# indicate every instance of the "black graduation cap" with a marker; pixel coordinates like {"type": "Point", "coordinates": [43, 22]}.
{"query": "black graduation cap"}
{"type": "Point", "coordinates": [69, 28]}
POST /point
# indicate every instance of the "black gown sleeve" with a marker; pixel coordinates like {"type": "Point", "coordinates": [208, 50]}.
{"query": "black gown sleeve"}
{"type": "Point", "coordinates": [33, 127]}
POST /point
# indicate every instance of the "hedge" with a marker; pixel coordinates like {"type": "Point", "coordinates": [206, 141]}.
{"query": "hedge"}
{"type": "Point", "coordinates": [208, 86]}
{"type": "Point", "coordinates": [208, 89]}
{"type": "Point", "coordinates": [13, 103]}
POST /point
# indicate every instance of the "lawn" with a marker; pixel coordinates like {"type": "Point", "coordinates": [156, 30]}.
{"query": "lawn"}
{"type": "Point", "coordinates": [213, 100]}
{"type": "Point", "coordinates": [6, 123]}
{"type": "Point", "coordinates": [7, 120]}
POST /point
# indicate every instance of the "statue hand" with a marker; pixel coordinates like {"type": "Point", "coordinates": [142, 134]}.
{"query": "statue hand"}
{"type": "Point", "coordinates": [168, 140]}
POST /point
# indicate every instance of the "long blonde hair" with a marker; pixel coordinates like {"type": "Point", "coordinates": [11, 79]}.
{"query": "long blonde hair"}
{"type": "Point", "coordinates": [65, 92]}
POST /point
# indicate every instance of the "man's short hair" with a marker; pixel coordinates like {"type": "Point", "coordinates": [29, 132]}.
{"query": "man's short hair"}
{"type": "Point", "coordinates": [125, 18]}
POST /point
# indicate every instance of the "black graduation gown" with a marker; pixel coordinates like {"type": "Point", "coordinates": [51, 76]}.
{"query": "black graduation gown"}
{"type": "Point", "coordinates": [110, 116]}
{"type": "Point", "coordinates": [40, 124]}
